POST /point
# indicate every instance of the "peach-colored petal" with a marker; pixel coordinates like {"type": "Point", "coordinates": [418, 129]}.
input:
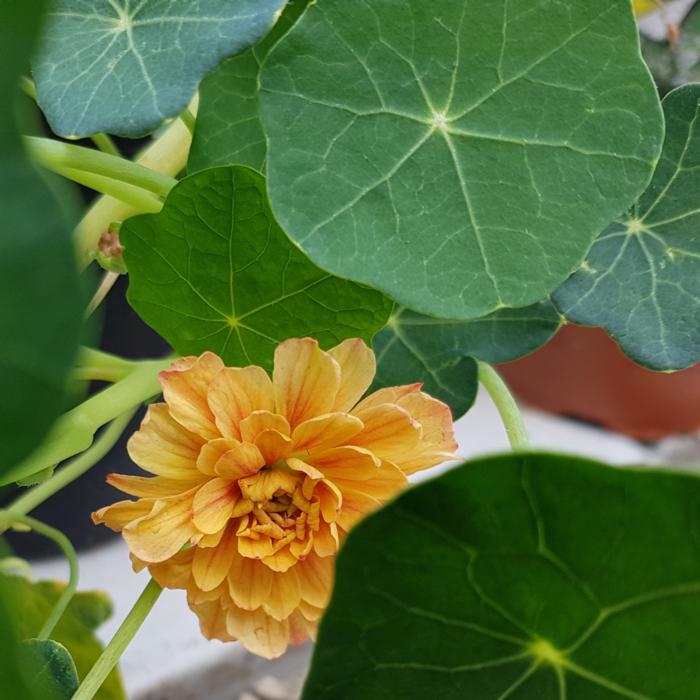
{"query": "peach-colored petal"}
{"type": "Point", "coordinates": [347, 463]}
{"type": "Point", "coordinates": [120, 514]}
{"type": "Point", "coordinates": [235, 393]}
{"type": "Point", "coordinates": [324, 432]}
{"type": "Point", "coordinates": [173, 572]}
{"type": "Point", "coordinates": [311, 612]}
{"type": "Point", "coordinates": [316, 579]}
{"type": "Point", "coordinates": [284, 595]}
{"type": "Point", "coordinates": [438, 443]}
{"type": "Point", "coordinates": [259, 632]}
{"type": "Point", "coordinates": [261, 487]}
{"type": "Point", "coordinates": [151, 486]}
{"type": "Point", "coordinates": [391, 394]}
{"type": "Point", "coordinates": [300, 629]}
{"type": "Point", "coordinates": [185, 388]}
{"type": "Point", "coordinates": [326, 540]}
{"type": "Point", "coordinates": [212, 505]}
{"type": "Point", "coordinates": [300, 466]}
{"type": "Point", "coordinates": [157, 536]}
{"type": "Point", "coordinates": [356, 505]}
{"type": "Point", "coordinates": [212, 621]}
{"type": "Point", "coordinates": [330, 498]}
{"type": "Point", "coordinates": [273, 445]}
{"type": "Point", "coordinates": [357, 369]}
{"type": "Point", "coordinates": [243, 460]}
{"type": "Point", "coordinates": [249, 582]}
{"type": "Point", "coordinates": [163, 447]}
{"type": "Point", "coordinates": [260, 421]}
{"type": "Point", "coordinates": [386, 482]}
{"type": "Point", "coordinates": [390, 432]}
{"type": "Point", "coordinates": [305, 379]}
{"type": "Point", "coordinates": [212, 452]}
{"type": "Point", "coordinates": [282, 561]}
{"type": "Point", "coordinates": [211, 566]}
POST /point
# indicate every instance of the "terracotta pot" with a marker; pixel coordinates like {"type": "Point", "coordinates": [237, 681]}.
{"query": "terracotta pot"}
{"type": "Point", "coordinates": [582, 373]}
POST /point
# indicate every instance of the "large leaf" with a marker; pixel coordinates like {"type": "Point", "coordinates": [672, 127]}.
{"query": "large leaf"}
{"type": "Point", "coordinates": [122, 66]}
{"type": "Point", "coordinates": [228, 128]}
{"type": "Point", "coordinates": [30, 604]}
{"type": "Point", "coordinates": [461, 156]}
{"type": "Point", "coordinates": [440, 353]}
{"type": "Point", "coordinates": [48, 668]}
{"type": "Point", "coordinates": [534, 577]}
{"type": "Point", "coordinates": [214, 271]}
{"type": "Point", "coordinates": [40, 299]}
{"type": "Point", "coordinates": [641, 279]}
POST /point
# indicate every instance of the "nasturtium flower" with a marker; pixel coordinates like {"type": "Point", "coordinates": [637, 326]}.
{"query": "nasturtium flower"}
{"type": "Point", "coordinates": [256, 481]}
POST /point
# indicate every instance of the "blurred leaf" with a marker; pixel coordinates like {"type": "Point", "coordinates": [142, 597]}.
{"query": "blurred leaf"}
{"type": "Point", "coordinates": [528, 577]}
{"type": "Point", "coordinates": [30, 603]}
{"type": "Point", "coordinates": [214, 271]}
{"type": "Point", "coordinates": [459, 156]}
{"type": "Point", "coordinates": [228, 128]}
{"type": "Point", "coordinates": [440, 352]}
{"type": "Point", "coordinates": [48, 669]}
{"type": "Point", "coordinates": [41, 308]}
{"type": "Point", "coordinates": [125, 66]}
{"type": "Point", "coordinates": [641, 279]}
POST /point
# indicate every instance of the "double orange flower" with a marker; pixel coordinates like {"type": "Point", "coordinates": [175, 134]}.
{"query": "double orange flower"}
{"type": "Point", "coordinates": [256, 481]}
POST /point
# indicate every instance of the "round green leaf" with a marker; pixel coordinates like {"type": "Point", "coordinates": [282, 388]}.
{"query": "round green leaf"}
{"type": "Point", "coordinates": [122, 66]}
{"type": "Point", "coordinates": [460, 156]}
{"type": "Point", "coordinates": [48, 668]}
{"type": "Point", "coordinates": [531, 577]}
{"type": "Point", "coordinates": [41, 309]}
{"type": "Point", "coordinates": [228, 128]}
{"type": "Point", "coordinates": [641, 279]}
{"type": "Point", "coordinates": [214, 271]}
{"type": "Point", "coordinates": [440, 353]}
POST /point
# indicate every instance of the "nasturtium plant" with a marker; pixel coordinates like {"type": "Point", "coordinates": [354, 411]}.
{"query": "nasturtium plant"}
{"type": "Point", "coordinates": [147, 56]}
{"type": "Point", "coordinates": [214, 271]}
{"type": "Point", "coordinates": [459, 156]}
{"type": "Point", "coordinates": [339, 216]}
{"type": "Point", "coordinates": [532, 577]}
{"type": "Point", "coordinates": [641, 279]}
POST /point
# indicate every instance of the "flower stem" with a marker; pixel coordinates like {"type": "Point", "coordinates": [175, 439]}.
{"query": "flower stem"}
{"type": "Point", "coordinates": [77, 467]}
{"type": "Point", "coordinates": [507, 407]}
{"type": "Point", "coordinates": [9, 518]}
{"type": "Point", "coordinates": [58, 155]}
{"type": "Point", "coordinates": [105, 143]}
{"type": "Point", "coordinates": [110, 656]}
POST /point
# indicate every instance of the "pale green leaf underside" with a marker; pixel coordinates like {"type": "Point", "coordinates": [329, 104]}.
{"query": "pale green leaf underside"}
{"type": "Point", "coordinates": [228, 129]}
{"type": "Point", "coordinates": [641, 279]}
{"type": "Point", "coordinates": [122, 66]}
{"type": "Point", "coordinates": [214, 271]}
{"type": "Point", "coordinates": [460, 156]}
{"type": "Point", "coordinates": [533, 577]}
{"type": "Point", "coordinates": [440, 353]}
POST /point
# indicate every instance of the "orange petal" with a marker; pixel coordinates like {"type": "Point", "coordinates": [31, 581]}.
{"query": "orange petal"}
{"type": "Point", "coordinates": [162, 446]}
{"type": "Point", "coordinates": [390, 432]}
{"type": "Point", "coordinates": [249, 582]}
{"type": "Point", "coordinates": [386, 482]}
{"type": "Point", "coordinates": [356, 505]}
{"type": "Point", "coordinates": [259, 632]}
{"type": "Point", "coordinates": [235, 393]}
{"type": "Point", "coordinates": [212, 452]}
{"type": "Point", "coordinates": [347, 463]}
{"type": "Point", "coordinates": [211, 566]}
{"type": "Point", "coordinates": [173, 572]}
{"type": "Point", "coordinates": [213, 505]}
{"type": "Point", "coordinates": [120, 514]}
{"type": "Point", "coordinates": [391, 394]}
{"type": "Point", "coordinates": [330, 498]}
{"type": "Point", "coordinates": [300, 466]}
{"type": "Point", "coordinates": [357, 369]}
{"type": "Point", "coordinates": [185, 388]}
{"type": "Point", "coordinates": [438, 443]}
{"type": "Point", "coordinates": [284, 596]}
{"type": "Point", "coordinates": [327, 431]}
{"type": "Point", "coordinates": [164, 531]}
{"type": "Point", "coordinates": [305, 379]}
{"type": "Point", "coordinates": [259, 421]}
{"type": "Point", "coordinates": [273, 445]}
{"type": "Point", "coordinates": [212, 621]}
{"type": "Point", "coordinates": [316, 579]}
{"type": "Point", "coordinates": [242, 460]}
{"type": "Point", "coordinates": [300, 629]}
{"type": "Point", "coordinates": [282, 561]}
{"type": "Point", "coordinates": [150, 486]}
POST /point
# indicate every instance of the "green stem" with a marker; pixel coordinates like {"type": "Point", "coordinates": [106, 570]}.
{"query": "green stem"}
{"type": "Point", "coordinates": [110, 656]}
{"type": "Point", "coordinates": [188, 119]}
{"type": "Point", "coordinates": [102, 366]}
{"type": "Point", "coordinates": [105, 143]}
{"type": "Point", "coordinates": [505, 403]}
{"type": "Point", "coordinates": [74, 431]}
{"type": "Point", "coordinates": [77, 467]}
{"type": "Point", "coordinates": [8, 518]}
{"type": "Point", "coordinates": [57, 155]}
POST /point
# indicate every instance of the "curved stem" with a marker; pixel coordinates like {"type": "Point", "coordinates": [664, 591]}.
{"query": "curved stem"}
{"type": "Point", "coordinates": [110, 656]}
{"type": "Point", "coordinates": [77, 467]}
{"type": "Point", "coordinates": [63, 542]}
{"type": "Point", "coordinates": [57, 155]}
{"type": "Point", "coordinates": [505, 403]}
{"type": "Point", "coordinates": [105, 143]}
